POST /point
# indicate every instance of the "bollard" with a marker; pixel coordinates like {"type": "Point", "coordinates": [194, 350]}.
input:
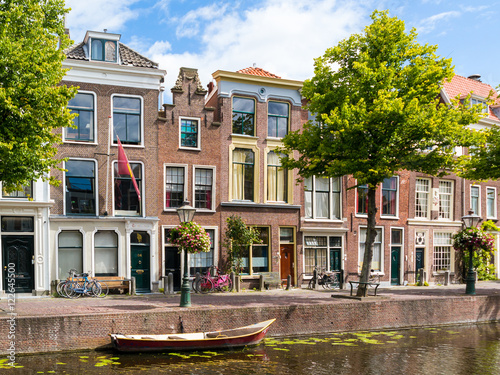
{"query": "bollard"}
{"type": "Point", "coordinates": [289, 282]}
{"type": "Point", "coordinates": [261, 282]}
{"type": "Point", "coordinates": [232, 275]}
{"type": "Point", "coordinates": [156, 286]}
{"type": "Point", "coordinates": [196, 281]}
{"type": "Point", "coordinates": [132, 288]}
{"type": "Point", "coordinates": [237, 284]}
{"type": "Point", "coordinates": [170, 282]}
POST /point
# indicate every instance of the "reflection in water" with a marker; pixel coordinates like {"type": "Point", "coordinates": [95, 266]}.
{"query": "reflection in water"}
{"type": "Point", "coordinates": [446, 350]}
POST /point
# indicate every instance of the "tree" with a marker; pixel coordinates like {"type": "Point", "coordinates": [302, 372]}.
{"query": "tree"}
{"type": "Point", "coordinates": [375, 98]}
{"type": "Point", "coordinates": [238, 238]}
{"type": "Point", "coordinates": [484, 163]}
{"type": "Point", "coordinates": [32, 105]}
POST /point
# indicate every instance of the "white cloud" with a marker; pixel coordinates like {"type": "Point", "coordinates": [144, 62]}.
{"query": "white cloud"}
{"type": "Point", "coordinates": [281, 36]}
{"type": "Point", "coordinates": [428, 25]}
{"type": "Point", "coordinates": [97, 15]}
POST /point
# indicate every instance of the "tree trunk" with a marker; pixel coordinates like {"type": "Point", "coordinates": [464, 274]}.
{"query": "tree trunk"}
{"type": "Point", "coordinates": [370, 239]}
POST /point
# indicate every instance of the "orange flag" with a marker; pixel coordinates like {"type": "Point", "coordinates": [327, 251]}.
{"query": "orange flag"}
{"type": "Point", "coordinates": [124, 167]}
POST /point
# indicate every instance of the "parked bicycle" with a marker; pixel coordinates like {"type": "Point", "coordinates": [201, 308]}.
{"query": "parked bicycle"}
{"type": "Point", "coordinates": [78, 285]}
{"type": "Point", "coordinates": [327, 279]}
{"type": "Point", "coordinates": [208, 283]}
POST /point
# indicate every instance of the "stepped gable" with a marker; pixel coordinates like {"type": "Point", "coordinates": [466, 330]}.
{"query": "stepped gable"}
{"type": "Point", "coordinates": [127, 56]}
{"type": "Point", "coordinates": [258, 72]}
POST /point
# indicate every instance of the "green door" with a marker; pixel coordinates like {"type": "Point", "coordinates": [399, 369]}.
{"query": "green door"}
{"type": "Point", "coordinates": [395, 264]}
{"type": "Point", "coordinates": [139, 253]}
{"type": "Point", "coordinates": [335, 260]}
{"type": "Point", "coordinates": [18, 255]}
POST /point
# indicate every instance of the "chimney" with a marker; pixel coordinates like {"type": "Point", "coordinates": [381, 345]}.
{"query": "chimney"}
{"type": "Point", "coordinates": [475, 77]}
{"type": "Point", "coordinates": [210, 87]}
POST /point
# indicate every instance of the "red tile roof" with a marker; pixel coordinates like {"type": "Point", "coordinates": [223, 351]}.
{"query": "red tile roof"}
{"type": "Point", "coordinates": [258, 72]}
{"type": "Point", "coordinates": [462, 86]}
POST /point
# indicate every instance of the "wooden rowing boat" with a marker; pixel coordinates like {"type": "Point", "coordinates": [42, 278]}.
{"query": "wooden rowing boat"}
{"type": "Point", "coordinates": [230, 338]}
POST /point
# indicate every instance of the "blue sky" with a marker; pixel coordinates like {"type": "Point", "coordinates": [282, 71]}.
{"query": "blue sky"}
{"type": "Point", "coordinates": [284, 36]}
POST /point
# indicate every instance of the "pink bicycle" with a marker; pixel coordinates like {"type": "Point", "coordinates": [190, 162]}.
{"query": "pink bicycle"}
{"type": "Point", "coordinates": [208, 283]}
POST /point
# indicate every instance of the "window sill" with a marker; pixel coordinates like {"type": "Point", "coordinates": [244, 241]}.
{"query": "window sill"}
{"type": "Point", "coordinates": [389, 217]}
{"type": "Point", "coordinates": [322, 220]}
{"type": "Point", "coordinates": [88, 143]}
{"type": "Point", "coordinates": [127, 145]}
{"type": "Point", "coordinates": [258, 205]}
{"type": "Point", "coordinates": [189, 148]}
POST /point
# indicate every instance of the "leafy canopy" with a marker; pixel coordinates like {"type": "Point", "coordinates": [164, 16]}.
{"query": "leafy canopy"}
{"type": "Point", "coordinates": [375, 98]}
{"type": "Point", "coordinates": [32, 105]}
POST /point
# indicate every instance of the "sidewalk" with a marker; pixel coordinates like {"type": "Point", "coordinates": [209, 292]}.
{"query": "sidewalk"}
{"type": "Point", "coordinates": [28, 306]}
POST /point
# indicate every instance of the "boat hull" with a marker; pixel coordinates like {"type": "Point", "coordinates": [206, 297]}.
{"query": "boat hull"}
{"type": "Point", "coordinates": [154, 343]}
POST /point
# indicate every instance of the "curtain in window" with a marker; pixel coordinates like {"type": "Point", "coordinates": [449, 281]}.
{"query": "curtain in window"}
{"type": "Point", "coordinates": [308, 196]}
{"type": "Point", "coordinates": [238, 174]}
{"type": "Point", "coordinates": [70, 253]}
{"type": "Point", "coordinates": [322, 185]}
{"type": "Point", "coordinates": [106, 253]}
{"type": "Point", "coordinates": [377, 249]}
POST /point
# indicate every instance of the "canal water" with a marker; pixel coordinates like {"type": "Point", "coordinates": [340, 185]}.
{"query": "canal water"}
{"type": "Point", "coordinates": [472, 349]}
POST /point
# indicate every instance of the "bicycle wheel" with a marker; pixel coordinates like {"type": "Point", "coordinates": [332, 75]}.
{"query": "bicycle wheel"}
{"type": "Point", "coordinates": [99, 289]}
{"type": "Point", "coordinates": [227, 286]}
{"type": "Point", "coordinates": [60, 287]}
{"type": "Point", "coordinates": [71, 289]}
{"type": "Point", "coordinates": [204, 285]}
{"type": "Point", "coordinates": [328, 282]}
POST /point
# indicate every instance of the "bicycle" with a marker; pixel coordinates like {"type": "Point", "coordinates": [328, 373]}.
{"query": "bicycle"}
{"type": "Point", "coordinates": [94, 288]}
{"type": "Point", "coordinates": [62, 284]}
{"type": "Point", "coordinates": [209, 283]}
{"type": "Point", "coordinates": [327, 279]}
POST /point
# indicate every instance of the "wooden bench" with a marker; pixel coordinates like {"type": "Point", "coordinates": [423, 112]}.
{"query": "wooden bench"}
{"type": "Point", "coordinates": [268, 279]}
{"type": "Point", "coordinates": [119, 283]}
{"type": "Point", "coordinates": [368, 284]}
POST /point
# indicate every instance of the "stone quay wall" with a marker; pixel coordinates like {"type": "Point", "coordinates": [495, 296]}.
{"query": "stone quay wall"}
{"type": "Point", "coordinates": [90, 331]}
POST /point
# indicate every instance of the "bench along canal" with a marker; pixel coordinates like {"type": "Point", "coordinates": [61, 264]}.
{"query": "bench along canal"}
{"type": "Point", "coordinates": [470, 349]}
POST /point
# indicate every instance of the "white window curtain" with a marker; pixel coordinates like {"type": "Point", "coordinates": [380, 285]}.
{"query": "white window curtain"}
{"type": "Point", "coordinates": [70, 253]}
{"type": "Point", "coordinates": [106, 253]}
{"type": "Point", "coordinates": [377, 249]}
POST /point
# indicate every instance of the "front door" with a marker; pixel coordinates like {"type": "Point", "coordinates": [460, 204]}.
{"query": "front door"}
{"type": "Point", "coordinates": [286, 261]}
{"type": "Point", "coordinates": [419, 258]}
{"type": "Point", "coordinates": [18, 253]}
{"type": "Point", "coordinates": [335, 260]}
{"type": "Point", "coordinates": [395, 264]}
{"type": "Point", "coordinates": [173, 265]}
{"type": "Point", "coordinates": [140, 267]}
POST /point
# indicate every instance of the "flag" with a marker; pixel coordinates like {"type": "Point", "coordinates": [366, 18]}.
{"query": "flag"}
{"type": "Point", "coordinates": [124, 167]}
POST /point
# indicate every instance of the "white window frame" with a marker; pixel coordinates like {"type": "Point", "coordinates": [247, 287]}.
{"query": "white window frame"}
{"type": "Point", "coordinates": [494, 191]}
{"type": "Point", "coordinates": [198, 135]}
{"type": "Point", "coordinates": [96, 186]}
{"type": "Point", "coordinates": [185, 191]}
{"type": "Point", "coordinates": [452, 199]}
{"type": "Point", "coordinates": [451, 251]}
{"type": "Point", "coordinates": [330, 201]}
{"type": "Point", "coordinates": [141, 188]}
{"type": "Point", "coordinates": [94, 142]}
{"type": "Point", "coordinates": [84, 260]}
{"type": "Point", "coordinates": [386, 216]}
{"type": "Point", "coordinates": [121, 252]}
{"type": "Point", "coordinates": [214, 184]}
{"type": "Point", "coordinates": [111, 138]}
{"type": "Point", "coordinates": [429, 197]}
{"type": "Point", "coordinates": [216, 243]}
{"type": "Point", "coordinates": [360, 257]}
{"type": "Point", "coordinates": [478, 198]}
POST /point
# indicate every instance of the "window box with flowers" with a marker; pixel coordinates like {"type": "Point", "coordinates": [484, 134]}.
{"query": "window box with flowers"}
{"type": "Point", "coordinates": [191, 237]}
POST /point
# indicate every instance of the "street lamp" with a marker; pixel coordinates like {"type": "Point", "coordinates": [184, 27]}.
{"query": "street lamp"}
{"type": "Point", "coordinates": [471, 221]}
{"type": "Point", "coordinates": [186, 214]}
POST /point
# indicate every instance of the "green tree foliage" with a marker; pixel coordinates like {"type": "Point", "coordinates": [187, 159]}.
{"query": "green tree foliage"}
{"type": "Point", "coordinates": [375, 98]}
{"type": "Point", "coordinates": [238, 238]}
{"type": "Point", "coordinates": [484, 163]}
{"type": "Point", "coordinates": [32, 105]}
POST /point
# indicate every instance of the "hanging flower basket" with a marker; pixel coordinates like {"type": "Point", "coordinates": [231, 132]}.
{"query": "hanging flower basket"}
{"type": "Point", "coordinates": [477, 238]}
{"type": "Point", "coordinates": [190, 237]}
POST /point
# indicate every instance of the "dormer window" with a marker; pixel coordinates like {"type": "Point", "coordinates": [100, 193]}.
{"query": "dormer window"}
{"type": "Point", "coordinates": [103, 50]}
{"type": "Point", "coordinates": [483, 104]}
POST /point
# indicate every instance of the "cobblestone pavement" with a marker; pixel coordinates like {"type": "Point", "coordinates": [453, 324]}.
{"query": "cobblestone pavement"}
{"type": "Point", "coordinates": [49, 306]}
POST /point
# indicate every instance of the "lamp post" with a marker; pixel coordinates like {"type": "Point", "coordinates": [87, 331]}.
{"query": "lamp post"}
{"type": "Point", "coordinates": [471, 220]}
{"type": "Point", "coordinates": [186, 214]}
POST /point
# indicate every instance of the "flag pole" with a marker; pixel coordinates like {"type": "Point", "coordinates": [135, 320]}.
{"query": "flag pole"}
{"type": "Point", "coordinates": [107, 166]}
